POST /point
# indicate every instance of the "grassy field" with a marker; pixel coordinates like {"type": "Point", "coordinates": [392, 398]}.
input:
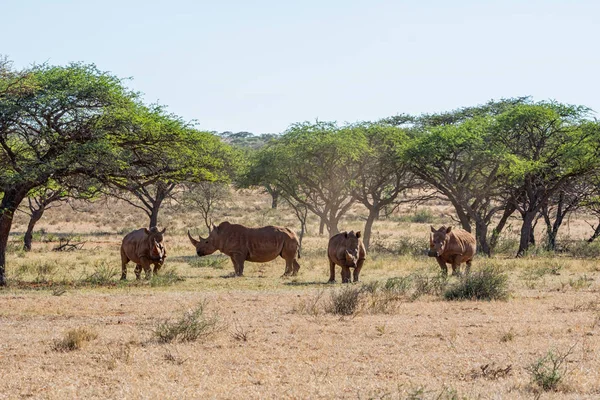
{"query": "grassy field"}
{"type": "Point", "coordinates": [70, 329]}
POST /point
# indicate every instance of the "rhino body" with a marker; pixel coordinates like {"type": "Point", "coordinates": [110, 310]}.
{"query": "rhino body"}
{"type": "Point", "coordinates": [453, 247]}
{"type": "Point", "coordinates": [242, 244]}
{"type": "Point", "coordinates": [144, 247]}
{"type": "Point", "coordinates": [347, 250]}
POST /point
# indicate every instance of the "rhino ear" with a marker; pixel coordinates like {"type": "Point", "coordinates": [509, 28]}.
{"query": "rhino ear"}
{"type": "Point", "coordinates": [357, 234]}
{"type": "Point", "coordinates": [346, 234]}
{"type": "Point", "coordinates": [449, 229]}
{"type": "Point", "coordinates": [214, 228]}
{"type": "Point", "coordinates": [433, 229]}
{"type": "Point", "coordinates": [147, 231]}
{"type": "Point", "coordinates": [164, 230]}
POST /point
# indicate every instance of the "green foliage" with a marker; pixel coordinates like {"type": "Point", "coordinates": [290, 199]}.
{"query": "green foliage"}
{"type": "Point", "coordinates": [191, 326]}
{"type": "Point", "coordinates": [103, 274]}
{"type": "Point", "coordinates": [548, 371]}
{"type": "Point", "coordinates": [487, 284]}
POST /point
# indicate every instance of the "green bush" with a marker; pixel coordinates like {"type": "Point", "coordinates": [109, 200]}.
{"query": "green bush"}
{"type": "Point", "coordinates": [102, 275]}
{"type": "Point", "coordinates": [548, 371]}
{"type": "Point", "coordinates": [166, 277]}
{"type": "Point", "coordinates": [191, 326]}
{"type": "Point", "coordinates": [486, 284]}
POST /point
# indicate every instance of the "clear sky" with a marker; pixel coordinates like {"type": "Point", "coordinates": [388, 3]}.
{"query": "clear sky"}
{"type": "Point", "coordinates": [259, 66]}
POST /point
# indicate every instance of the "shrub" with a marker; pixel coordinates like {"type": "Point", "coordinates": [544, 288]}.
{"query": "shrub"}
{"type": "Point", "coordinates": [344, 301]}
{"type": "Point", "coordinates": [102, 274]}
{"type": "Point", "coordinates": [426, 284]}
{"type": "Point", "coordinates": [549, 370]}
{"type": "Point", "coordinates": [216, 262]}
{"type": "Point", "coordinates": [411, 246]}
{"type": "Point", "coordinates": [487, 284]}
{"type": "Point", "coordinates": [166, 277]}
{"type": "Point", "coordinates": [422, 216]}
{"type": "Point", "coordinates": [191, 326]}
{"type": "Point", "coordinates": [398, 285]}
{"type": "Point", "coordinates": [74, 339]}
{"type": "Point", "coordinates": [583, 249]}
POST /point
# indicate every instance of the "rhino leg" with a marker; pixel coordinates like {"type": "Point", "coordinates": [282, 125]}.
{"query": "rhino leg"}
{"type": "Point", "coordinates": [331, 271]}
{"type": "Point", "coordinates": [138, 271]}
{"type": "Point", "coordinates": [357, 269]}
{"type": "Point", "coordinates": [288, 268]}
{"type": "Point", "coordinates": [296, 267]}
{"type": "Point", "coordinates": [443, 266]}
{"type": "Point", "coordinates": [468, 268]}
{"type": "Point", "coordinates": [124, 261]}
{"type": "Point", "coordinates": [238, 264]}
{"type": "Point", "coordinates": [345, 274]}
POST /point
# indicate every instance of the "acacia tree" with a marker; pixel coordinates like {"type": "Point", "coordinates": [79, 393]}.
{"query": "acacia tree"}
{"type": "Point", "coordinates": [59, 122]}
{"type": "Point", "coordinates": [205, 197]}
{"type": "Point", "coordinates": [382, 172]}
{"type": "Point", "coordinates": [548, 146]}
{"type": "Point", "coordinates": [457, 160]}
{"type": "Point", "coordinates": [316, 166]}
{"type": "Point", "coordinates": [176, 153]}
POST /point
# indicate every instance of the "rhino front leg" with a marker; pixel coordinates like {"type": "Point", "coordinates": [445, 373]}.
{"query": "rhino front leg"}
{"type": "Point", "coordinates": [345, 274]}
{"type": "Point", "coordinates": [331, 272]}
{"type": "Point", "coordinates": [443, 266]}
{"type": "Point", "coordinates": [238, 264]}
{"type": "Point", "coordinates": [357, 269]}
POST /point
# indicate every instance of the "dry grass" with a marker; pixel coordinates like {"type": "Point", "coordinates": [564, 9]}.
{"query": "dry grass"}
{"type": "Point", "coordinates": [402, 341]}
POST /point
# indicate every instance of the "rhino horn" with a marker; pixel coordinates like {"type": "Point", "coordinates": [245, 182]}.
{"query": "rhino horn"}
{"type": "Point", "coordinates": [194, 241]}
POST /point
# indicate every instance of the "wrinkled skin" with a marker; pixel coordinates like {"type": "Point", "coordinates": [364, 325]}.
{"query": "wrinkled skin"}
{"type": "Point", "coordinates": [145, 247]}
{"type": "Point", "coordinates": [242, 244]}
{"type": "Point", "coordinates": [453, 247]}
{"type": "Point", "coordinates": [347, 250]}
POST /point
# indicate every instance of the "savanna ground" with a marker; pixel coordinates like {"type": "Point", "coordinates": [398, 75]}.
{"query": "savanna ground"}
{"type": "Point", "coordinates": [270, 337]}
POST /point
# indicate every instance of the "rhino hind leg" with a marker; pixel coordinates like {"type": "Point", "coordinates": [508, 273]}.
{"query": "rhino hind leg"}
{"type": "Point", "coordinates": [124, 261]}
{"type": "Point", "coordinates": [138, 271]}
{"type": "Point", "coordinates": [468, 267]}
{"type": "Point", "coordinates": [296, 267]}
{"type": "Point", "coordinates": [288, 268]}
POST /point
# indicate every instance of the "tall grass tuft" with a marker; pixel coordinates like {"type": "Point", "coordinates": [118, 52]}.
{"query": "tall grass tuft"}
{"type": "Point", "coordinates": [486, 284]}
{"type": "Point", "coordinates": [74, 339]}
{"type": "Point", "coordinates": [344, 301]}
{"type": "Point", "coordinates": [191, 326]}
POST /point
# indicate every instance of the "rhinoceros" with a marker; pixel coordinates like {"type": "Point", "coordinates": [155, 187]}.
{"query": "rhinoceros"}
{"type": "Point", "coordinates": [242, 244]}
{"type": "Point", "coordinates": [347, 250]}
{"type": "Point", "coordinates": [144, 247]}
{"type": "Point", "coordinates": [453, 247]}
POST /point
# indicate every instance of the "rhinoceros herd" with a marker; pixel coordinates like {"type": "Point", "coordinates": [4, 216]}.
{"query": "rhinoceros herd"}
{"type": "Point", "coordinates": [145, 247]}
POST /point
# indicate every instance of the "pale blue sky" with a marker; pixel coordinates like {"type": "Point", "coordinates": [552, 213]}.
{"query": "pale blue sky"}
{"type": "Point", "coordinates": [261, 65]}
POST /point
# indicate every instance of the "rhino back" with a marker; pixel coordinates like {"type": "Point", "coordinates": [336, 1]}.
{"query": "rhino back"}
{"type": "Point", "coordinates": [258, 244]}
{"type": "Point", "coordinates": [135, 245]}
{"type": "Point", "coordinates": [460, 242]}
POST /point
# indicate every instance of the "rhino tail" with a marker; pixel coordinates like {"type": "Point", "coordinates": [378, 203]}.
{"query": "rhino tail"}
{"type": "Point", "coordinates": [298, 252]}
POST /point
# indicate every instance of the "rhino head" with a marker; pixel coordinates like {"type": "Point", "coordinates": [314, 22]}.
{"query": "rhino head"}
{"type": "Point", "coordinates": [437, 240]}
{"type": "Point", "coordinates": [206, 246]}
{"type": "Point", "coordinates": [156, 244]}
{"type": "Point", "coordinates": [351, 251]}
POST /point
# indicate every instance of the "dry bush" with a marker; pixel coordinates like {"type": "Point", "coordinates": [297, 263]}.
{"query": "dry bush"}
{"type": "Point", "coordinates": [191, 326]}
{"type": "Point", "coordinates": [548, 371]}
{"type": "Point", "coordinates": [344, 301]}
{"type": "Point", "coordinates": [486, 284]}
{"type": "Point", "coordinates": [74, 339]}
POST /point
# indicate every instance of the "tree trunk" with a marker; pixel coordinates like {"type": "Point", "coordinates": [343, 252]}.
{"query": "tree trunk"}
{"type": "Point", "coordinates": [10, 202]}
{"type": "Point", "coordinates": [373, 215]}
{"type": "Point", "coordinates": [154, 211]}
{"type": "Point", "coordinates": [274, 199]}
{"type": "Point", "coordinates": [481, 236]}
{"type": "Point", "coordinates": [596, 233]}
{"type": "Point", "coordinates": [526, 233]}
{"type": "Point", "coordinates": [508, 211]}
{"type": "Point", "coordinates": [35, 217]}
{"type": "Point", "coordinates": [321, 226]}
